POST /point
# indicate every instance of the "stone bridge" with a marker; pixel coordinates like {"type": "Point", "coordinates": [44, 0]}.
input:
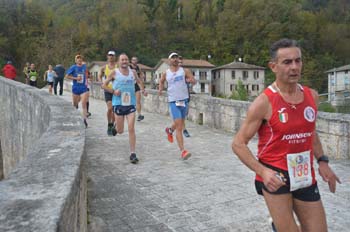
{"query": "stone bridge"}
{"type": "Point", "coordinates": [212, 191]}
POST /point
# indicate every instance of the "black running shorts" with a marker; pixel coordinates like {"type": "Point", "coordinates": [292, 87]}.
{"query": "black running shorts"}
{"type": "Point", "coordinates": [108, 96]}
{"type": "Point", "coordinates": [124, 110]}
{"type": "Point", "coordinates": [137, 87]}
{"type": "Point", "coordinates": [310, 193]}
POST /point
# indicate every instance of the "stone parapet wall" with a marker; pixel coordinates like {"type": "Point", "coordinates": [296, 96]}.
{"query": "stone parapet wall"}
{"type": "Point", "coordinates": [42, 153]}
{"type": "Point", "coordinates": [333, 129]}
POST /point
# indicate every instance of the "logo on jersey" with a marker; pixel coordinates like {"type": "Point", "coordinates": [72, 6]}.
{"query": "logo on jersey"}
{"type": "Point", "coordinates": [283, 116]}
{"type": "Point", "coordinates": [309, 114]}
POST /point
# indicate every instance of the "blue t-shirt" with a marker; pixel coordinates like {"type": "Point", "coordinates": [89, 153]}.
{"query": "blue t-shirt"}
{"type": "Point", "coordinates": [126, 85]}
{"type": "Point", "coordinates": [76, 71]}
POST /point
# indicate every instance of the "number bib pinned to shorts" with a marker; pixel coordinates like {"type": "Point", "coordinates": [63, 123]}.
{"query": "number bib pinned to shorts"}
{"type": "Point", "coordinates": [126, 98]}
{"type": "Point", "coordinates": [299, 170]}
{"type": "Point", "coordinates": [180, 103]}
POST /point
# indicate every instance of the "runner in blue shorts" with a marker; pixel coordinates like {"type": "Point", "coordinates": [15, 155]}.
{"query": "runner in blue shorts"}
{"type": "Point", "coordinates": [178, 96]}
{"type": "Point", "coordinates": [77, 73]}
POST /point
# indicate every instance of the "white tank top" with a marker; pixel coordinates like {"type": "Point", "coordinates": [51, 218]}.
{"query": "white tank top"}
{"type": "Point", "coordinates": [177, 88]}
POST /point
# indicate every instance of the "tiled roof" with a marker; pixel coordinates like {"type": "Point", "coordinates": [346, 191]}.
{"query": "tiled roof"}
{"type": "Point", "coordinates": [103, 63]}
{"type": "Point", "coordinates": [238, 65]}
{"type": "Point", "coordinates": [342, 68]}
{"type": "Point", "coordinates": [188, 63]}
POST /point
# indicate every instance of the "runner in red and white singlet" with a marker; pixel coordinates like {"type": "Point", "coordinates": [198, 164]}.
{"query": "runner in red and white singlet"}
{"type": "Point", "coordinates": [289, 130]}
{"type": "Point", "coordinates": [284, 116]}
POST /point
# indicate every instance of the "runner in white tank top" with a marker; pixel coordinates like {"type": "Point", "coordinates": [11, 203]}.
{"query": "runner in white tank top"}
{"type": "Point", "coordinates": [177, 77]}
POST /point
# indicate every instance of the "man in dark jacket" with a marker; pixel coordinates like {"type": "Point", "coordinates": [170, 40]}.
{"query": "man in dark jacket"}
{"type": "Point", "coordinates": [59, 69]}
{"type": "Point", "coordinates": [9, 71]}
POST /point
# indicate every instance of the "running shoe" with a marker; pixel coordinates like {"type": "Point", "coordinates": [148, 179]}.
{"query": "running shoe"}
{"type": "Point", "coordinates": [185, 155]}
{"type": "Point", "coordinates": [113, 130]}
{"type": "Point", "coordinates": [272, 225]}
{"type": "Point", "coordinates": [85, 122]}
{"type": "Point", "coordinates": [186, 134]}
{"type": "Point", "coordinates": [133, 158]}
{"type": "Point", "coordinates": [140, 117]}
{"type": "Point", "coordinates": [109, 130]}
{"type": "Point", "coordinates": [169, 132]}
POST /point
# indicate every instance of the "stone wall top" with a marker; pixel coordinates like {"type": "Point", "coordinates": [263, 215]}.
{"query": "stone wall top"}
{"type": "Point", "coordinates": [37, 193]}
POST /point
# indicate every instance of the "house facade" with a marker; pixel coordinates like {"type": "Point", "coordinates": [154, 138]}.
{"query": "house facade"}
{"type": "Point", "coordinates": [226, 78]}
{"type": "Point", "coordinates": [95, 66]}
{"type": "Point", "coordinates": [339, 85]}
{"type": "Point", "coordinates": [201, 70]}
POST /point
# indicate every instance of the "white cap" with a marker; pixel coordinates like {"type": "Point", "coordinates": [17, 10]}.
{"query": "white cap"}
{"type": "Point", "coordinates": [172, 54]}
{"type": "Point", "coordinates": [111, 53]}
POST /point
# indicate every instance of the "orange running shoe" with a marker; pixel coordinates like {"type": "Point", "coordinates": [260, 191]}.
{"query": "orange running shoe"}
{"type": "Point", "coordinates": [185, 155]}
{"type": "Point", "coordinates": [169, 132]}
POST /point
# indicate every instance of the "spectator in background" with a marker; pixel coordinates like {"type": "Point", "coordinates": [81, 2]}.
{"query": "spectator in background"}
{"type": "Point", "coordinates": [25, 71]}
{"type": "Point", "coordinates": [59, 69]}
{"type": "Point", "coordinates": [9, 71]}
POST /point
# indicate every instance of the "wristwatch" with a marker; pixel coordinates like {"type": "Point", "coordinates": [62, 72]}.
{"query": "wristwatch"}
{"type": "Point", "coordinates": [323, 158]}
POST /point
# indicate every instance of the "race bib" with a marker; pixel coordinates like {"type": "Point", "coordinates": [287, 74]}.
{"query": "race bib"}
{"type": "Point", "coordinates": [180, 103]}
{"type": "Point", "coordinates": [126, 98]}
{"type": "Point", "coordinates": [82, 78]}
{"type": "Point", "coordinates": [299, 170]}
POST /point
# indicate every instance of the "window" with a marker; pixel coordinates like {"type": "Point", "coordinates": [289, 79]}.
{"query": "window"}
{"type": "Point", "coordinates": [256, 75]}
{"type": "Point", "coordinates": [202, 76]}
{"type": "Point", "coordinates": [218, 74]}
{"type": "Point", "coordinates": [233, 74]}
{"type": "Point", "coordinates": [232, 87]}
{"type": "Point", "coordinates": [202, 88]}
{"type": "Point", "coordinates": [245, 74]}
{"type": "Point", "coordinates": [255, 87]}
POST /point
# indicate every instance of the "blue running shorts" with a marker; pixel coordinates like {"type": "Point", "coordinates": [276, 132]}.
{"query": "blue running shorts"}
{"type": "Point", "coordinates": [178, 109]}
{"type": "Point", "coordinates": [78, 90]}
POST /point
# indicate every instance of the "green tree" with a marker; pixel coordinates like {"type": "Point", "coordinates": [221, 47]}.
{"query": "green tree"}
{"type": "Point", "coordinates": [241, 92]}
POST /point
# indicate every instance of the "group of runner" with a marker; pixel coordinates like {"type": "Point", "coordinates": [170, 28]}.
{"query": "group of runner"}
{"type": "Point", "coordinates": [283, 115]}
{"type": "Point", "coordinates": [53, 77]}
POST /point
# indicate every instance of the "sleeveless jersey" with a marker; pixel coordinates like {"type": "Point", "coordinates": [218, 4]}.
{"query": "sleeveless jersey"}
{"type": "Point", "coordinates": [33, 75]}
{"type": "Point", "coordinates": [76, 71]}
{"type": "Point", "coordinates": [50, 76]}
{"type": "Point", "coordinates": [136, 68]}
{"type": "Point", "coordinates": [177, 87]}
{"type": "Point", "coordinates": [107, 72]}
{"type": "Point", "coordinates": [289, 130]}
{"type": "Point", "coordinates": [127, 88]}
